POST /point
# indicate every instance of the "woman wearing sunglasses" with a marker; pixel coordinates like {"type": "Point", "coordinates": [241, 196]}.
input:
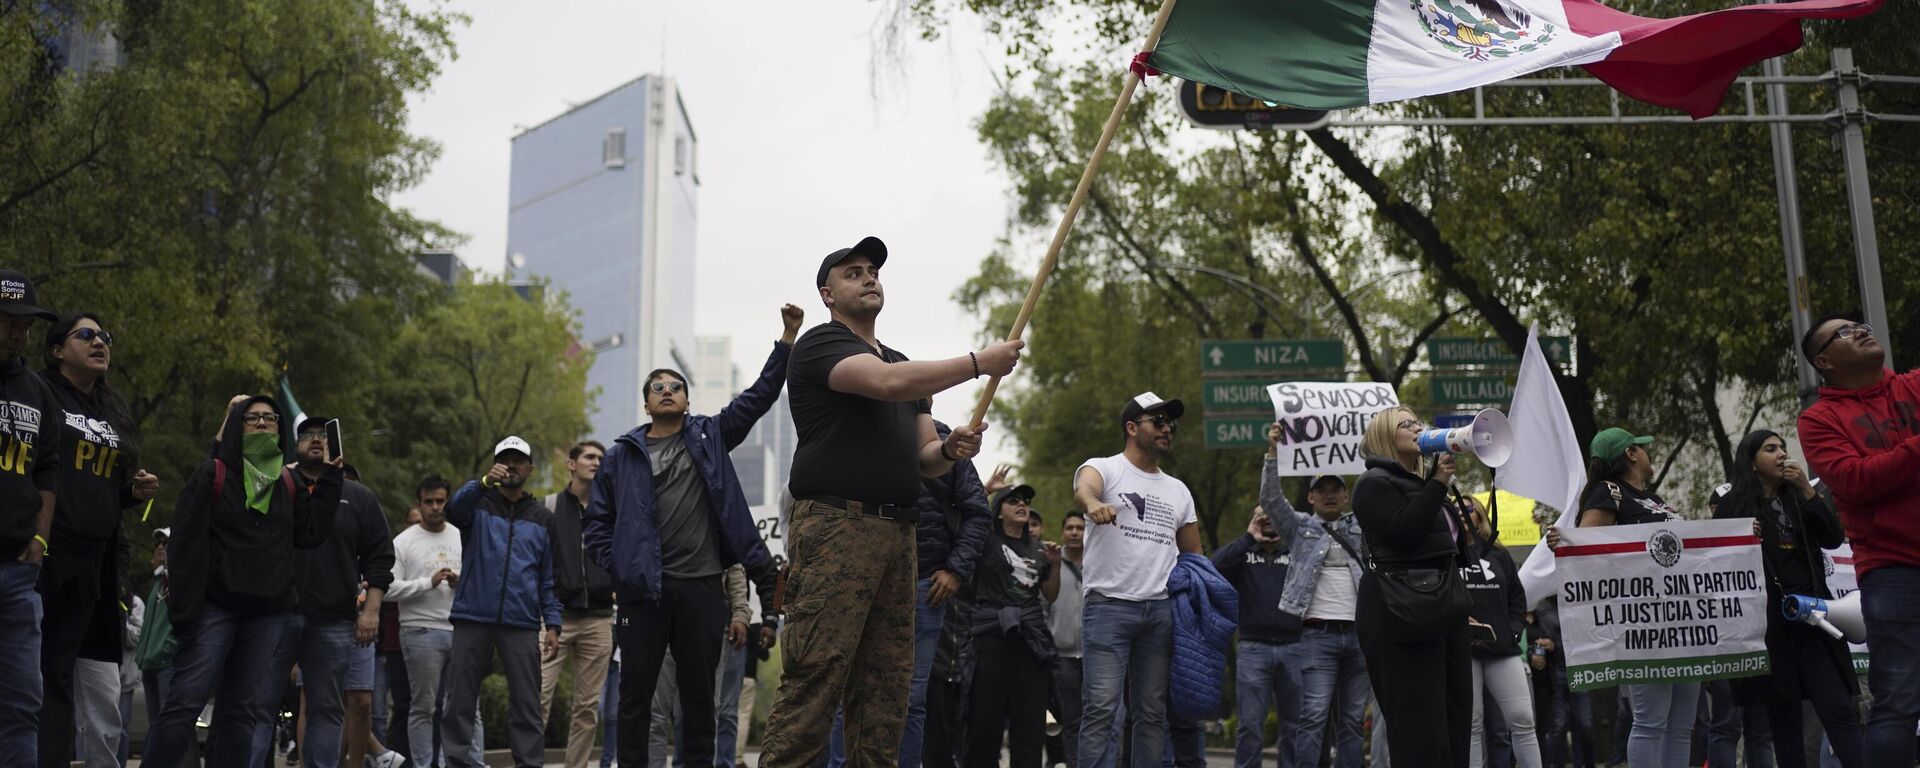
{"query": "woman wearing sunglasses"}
{"type": "Point", "coordinates": [1422, 675]}
{"type": "Point", "coordinates": [1795, 524]}
{"type": "Point", "coordinates": [99, 479]}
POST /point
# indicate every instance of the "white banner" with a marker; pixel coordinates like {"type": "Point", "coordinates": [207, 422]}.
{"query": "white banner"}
{"type": "Point", "coordinates": [1662, 603]}
{"type": "Point", "coordinates": [1843, 581]}
{"type": "Point", "coordinates": [1321, 424]}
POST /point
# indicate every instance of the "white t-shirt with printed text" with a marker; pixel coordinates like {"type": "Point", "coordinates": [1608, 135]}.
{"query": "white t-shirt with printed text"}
{"type": "Point", "coordinates": [1131, 558]}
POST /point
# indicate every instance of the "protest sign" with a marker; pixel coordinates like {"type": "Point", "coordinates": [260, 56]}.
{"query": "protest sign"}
{"type": "Point", "coordinates": [773, 531]}
{"type": "Point", "coordinates": [1516, 525]}
{"type": "Point", "coordinates": [1843, 581]}
{"type": "Point", "coordinates": [1321, 424]}
{"type": "Point", "coordinates": [1665, 602]}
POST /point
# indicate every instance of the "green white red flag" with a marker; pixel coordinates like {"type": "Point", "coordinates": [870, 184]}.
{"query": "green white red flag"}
{"type": "Point", "coordinates": [1339, 54]}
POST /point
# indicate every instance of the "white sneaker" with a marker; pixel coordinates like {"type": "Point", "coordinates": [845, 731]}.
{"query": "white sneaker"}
{"type": "Point", "coordinates": [392, 759]}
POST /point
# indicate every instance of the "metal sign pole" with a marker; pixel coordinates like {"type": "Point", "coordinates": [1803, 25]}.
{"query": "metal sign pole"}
{"type": "Point", "coordinates": [1853, 150]}
{"type": "Point", "coordinates": [1791, 243]}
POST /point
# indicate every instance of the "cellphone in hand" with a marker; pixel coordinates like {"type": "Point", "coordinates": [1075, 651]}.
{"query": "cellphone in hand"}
{"type": "Point", "coordinates": [1481, 633]}
{"type": "Point", "coordinates": [334, 449]}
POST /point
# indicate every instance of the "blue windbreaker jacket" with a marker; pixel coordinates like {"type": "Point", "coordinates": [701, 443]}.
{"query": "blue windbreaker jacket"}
{"type": "Point", "coordinates": [506, 560]}
{"type": "Point", "coordinates": [621, 532]}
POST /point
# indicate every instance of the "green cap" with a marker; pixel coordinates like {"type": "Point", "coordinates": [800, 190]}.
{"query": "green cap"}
{"type": "Point", "coordinates": [1612, 442]}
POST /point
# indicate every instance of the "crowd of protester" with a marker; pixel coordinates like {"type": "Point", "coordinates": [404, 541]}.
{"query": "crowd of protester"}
{"type": "Point", "coordinates": [930, 621]}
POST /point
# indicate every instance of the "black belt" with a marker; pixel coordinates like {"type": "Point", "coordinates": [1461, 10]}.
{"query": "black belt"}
{"type": "Point", "coordinates": [882, 511]}
{"type": "Point", "coordinates": [1329, 625]}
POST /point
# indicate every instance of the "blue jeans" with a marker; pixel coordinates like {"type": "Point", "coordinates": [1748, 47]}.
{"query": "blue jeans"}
{"type": "Point", "coordinates": [927, 625]}
{"type": "Point", "coordinates": [322, 648]}
{"type": "Point", "coordinates": [726, 705]}
{"type": "Point", "coordinates": [1128, 651]}
{"type": "Point", "coordinates": [609, 715]}
{"type": "Point", "coordinates": [1262, 681]}
{"type": "Point", "coordinates": [1726, 721]}
{"type": "Point", "coordinates": [1332, 674]}
{"type": "Point", "coordinates": [232, 653]}
{"type": "Point", "coordinates": [1890, 605]}
{"type": "Point", "coordinates": [1662, 723]}
{"type": "Point", "coordinates": [20, 689]}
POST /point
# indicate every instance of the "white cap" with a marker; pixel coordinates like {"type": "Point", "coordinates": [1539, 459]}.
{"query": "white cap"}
{"type": "Point", "coordinates": [513, 443]}
{"type": "Point", "coordinates": [163, 533]}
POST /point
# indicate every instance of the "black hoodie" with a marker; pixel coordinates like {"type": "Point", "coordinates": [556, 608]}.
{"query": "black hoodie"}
{"type": "Point", "coordinates": [358, 547]}
{"type": "Point", "coordinates": [222, 550]}
{"type": "Point", "coordinates": [97, 460]}
{"type": "Point", "coordinates": [29, 453]}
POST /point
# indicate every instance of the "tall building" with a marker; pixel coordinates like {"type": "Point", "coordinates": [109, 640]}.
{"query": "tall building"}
{"type": "Point", "coordinates": [765, 458]}
{"type": "Point", "coordinates": [602, 206]}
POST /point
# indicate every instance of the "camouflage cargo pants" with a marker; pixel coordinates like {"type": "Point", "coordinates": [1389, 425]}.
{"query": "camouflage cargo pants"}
{"type": "Point", "coordinates": [848, 634]}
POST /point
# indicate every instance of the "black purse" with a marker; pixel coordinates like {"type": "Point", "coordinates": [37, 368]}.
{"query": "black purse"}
{"type": "Point", "coordinates": [1424, 602]}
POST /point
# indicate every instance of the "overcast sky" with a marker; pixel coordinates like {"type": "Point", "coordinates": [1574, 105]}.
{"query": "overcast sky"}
{"type": "Point", "coordinates": [800, 153]}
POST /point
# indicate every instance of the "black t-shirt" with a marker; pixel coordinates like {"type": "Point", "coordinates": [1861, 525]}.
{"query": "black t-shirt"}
{"type": "Point", "coordinates": [1790, 565]}
{"type": "Point", "coordinates": [853, 447]}
{"type": "Point", "coordinates": [1630, 505]}
{"type": "Point", "coordinates": [1009, 571]}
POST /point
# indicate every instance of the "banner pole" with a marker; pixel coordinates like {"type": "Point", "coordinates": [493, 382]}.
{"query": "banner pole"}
{"type": "Point", "coordinates": [1134, 76]}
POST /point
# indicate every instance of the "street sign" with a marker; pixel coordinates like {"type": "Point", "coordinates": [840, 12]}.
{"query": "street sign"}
{"type": "Point", "coordinates": [1230, 396]}
{"type": "Point", "coordinates": [1452, 420]}
{"type": "Point", "coordinates": [1466, 351]}
{"type": "Point", "coordinates": [1471, 390]}
{"type": "Point", "coordinates": [1224, 396]}
{"type": "Point", "coordinates": [1237, 431]}
{"type": "Point", "coordinates": [1270, 356]}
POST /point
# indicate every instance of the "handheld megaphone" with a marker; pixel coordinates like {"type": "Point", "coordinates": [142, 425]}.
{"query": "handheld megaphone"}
{"type": "Point", "coordinates": [1488, 437]}
{"type": "Point", "coordinates": [1840, 618]}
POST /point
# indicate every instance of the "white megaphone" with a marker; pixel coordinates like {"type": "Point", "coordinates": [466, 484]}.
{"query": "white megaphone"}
{"type": "Point", "coordinates": [1488, 437]}
{"type": "Point", "coordinates": [1840, 618]}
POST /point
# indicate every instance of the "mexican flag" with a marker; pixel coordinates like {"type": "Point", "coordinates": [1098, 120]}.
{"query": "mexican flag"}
{"type": "Point", "coordinates": [1339, 54]}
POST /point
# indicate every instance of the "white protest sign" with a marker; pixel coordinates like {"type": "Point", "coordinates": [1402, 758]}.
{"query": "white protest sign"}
{"type": "Point", "coordinates": [1843, 581]}
{"type": "Point", "coordinates": [773, 531]}
{"type": "Point", "coordinates": [1665, 602]}
{"type": "Point", "coordinates": [1321, 424]}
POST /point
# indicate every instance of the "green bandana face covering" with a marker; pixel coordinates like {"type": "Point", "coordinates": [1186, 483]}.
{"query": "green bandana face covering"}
{"type": "Point", "coordinates": [261, 451]}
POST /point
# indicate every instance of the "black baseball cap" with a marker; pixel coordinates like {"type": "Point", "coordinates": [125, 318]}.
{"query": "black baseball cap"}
{"type": "Point", "coordinates": [869, 246]}
{"type": "Point", "coordinates": [1148, 401]}
{"type": "Point", "coordinates": [18, 298]}
{"type": "Point", "coordinates": [1022, 492]}
{"type": "Point", "coordinates": [311, 422]}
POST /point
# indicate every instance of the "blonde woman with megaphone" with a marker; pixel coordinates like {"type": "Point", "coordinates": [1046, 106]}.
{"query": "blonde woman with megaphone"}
{"type": "Point", "coordinates": [1795, 523]}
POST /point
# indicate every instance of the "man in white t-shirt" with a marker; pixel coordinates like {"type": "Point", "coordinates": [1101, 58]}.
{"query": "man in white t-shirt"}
{"type": "Point", "coordinates": [1142, 520]}
{"type": "Point", "coordinates": [426, 569]}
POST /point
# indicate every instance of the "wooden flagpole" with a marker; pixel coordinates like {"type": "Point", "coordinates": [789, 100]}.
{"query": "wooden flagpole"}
{"type": "Point", "coordinates": [1134, 76]}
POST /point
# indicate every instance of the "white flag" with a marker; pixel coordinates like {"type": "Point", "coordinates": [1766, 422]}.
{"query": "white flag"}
{"type": "Point", "coordinates": [1547, 463]}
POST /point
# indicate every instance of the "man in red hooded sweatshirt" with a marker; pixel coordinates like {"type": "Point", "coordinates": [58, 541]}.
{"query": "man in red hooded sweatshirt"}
{"type": "Point", "coordinates": [1863, 439]}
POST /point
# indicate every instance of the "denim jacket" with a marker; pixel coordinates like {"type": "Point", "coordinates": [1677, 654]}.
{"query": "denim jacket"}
{"type": "Point", "coordinates": [1307, 542]}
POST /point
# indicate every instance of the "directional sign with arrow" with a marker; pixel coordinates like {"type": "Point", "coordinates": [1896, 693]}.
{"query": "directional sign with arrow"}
{"type": "Point", "coordinates": [1271, 356]}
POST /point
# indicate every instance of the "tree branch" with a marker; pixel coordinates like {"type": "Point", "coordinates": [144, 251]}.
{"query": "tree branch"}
{"type": "Point", "coordinates": [1440, 255]}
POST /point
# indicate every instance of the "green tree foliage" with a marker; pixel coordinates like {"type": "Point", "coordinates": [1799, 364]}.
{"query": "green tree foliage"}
{"type": "Point", "coordinates": [221, 198]}
{"type": "Point", "coordinates": [1657, 247]}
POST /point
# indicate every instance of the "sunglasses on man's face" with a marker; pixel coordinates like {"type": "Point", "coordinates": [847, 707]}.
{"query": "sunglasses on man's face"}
{"type": "Point", "coordinates": [663, 387]}
{"type": "Point", "coordinates": [1161, 423]}
{"type": "Point", "coordinates": [87, 335]}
